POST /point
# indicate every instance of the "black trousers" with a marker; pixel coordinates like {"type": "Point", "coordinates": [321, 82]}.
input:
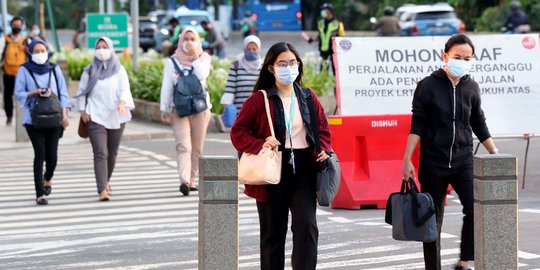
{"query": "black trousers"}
{"type": "Point", "coordinates": [435, 181]}
{"type": "Point", "coordinates": [45, 143]}
{"type": "Point", "coordinates": [295, 192]}
{"type": "Point", "coordinates": [9, 86]}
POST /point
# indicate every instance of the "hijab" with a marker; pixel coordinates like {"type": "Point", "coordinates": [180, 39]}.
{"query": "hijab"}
{"type": "Point", "coordinates": [31, 65]}
{"type": "Point", "coordinates": [181, 55]}
{"type": "Point", "coordinates": [100, 70]}
{"type": "Point", "coordinates": [251, 66]}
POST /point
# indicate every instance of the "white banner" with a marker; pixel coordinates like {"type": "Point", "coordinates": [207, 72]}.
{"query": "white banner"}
{"type": "Point", "coordinates": [378, 75]}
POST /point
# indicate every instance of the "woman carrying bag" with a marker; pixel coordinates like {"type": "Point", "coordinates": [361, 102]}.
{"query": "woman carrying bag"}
{"type": "Point", "coordinates": [280, 78]}
{"type": "Point", "coordinates": [104, 100]}
{"type": "Point", "coordinates": [185, 104]}
{"type": "Point", "coordinates": [38, 78]}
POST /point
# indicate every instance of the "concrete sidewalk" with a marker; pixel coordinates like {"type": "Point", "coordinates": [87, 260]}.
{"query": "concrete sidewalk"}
{"type": "Point", "coordinates": [135, 130]}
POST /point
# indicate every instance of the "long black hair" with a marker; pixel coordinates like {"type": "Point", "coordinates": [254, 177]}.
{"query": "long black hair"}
{"type": "Point", "coordinates": [267, 80]}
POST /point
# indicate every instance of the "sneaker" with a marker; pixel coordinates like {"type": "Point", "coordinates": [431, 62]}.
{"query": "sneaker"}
{"type": "Point", "coordinates": [459, 267]}
{"type": "Point", "coordinates": [184, 189]}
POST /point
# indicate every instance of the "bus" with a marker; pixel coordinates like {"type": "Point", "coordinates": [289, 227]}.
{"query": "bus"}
{"type": "Point", "coordinates": [274, 15]}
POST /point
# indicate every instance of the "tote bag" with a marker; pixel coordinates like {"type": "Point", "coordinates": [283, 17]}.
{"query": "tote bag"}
{"type": "Point", "coordinates": [265, 167]}
{"type": "Point", "coordinates": [411, 214]}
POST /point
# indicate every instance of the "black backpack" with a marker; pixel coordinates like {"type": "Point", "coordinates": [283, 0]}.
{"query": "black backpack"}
{"type": "Point", "coordinates": [46, 112]}
{"type": "Point", "coordinates": [189, 96]}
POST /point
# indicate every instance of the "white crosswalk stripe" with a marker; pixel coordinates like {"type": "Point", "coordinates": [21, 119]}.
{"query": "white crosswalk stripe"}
{"type": "Point", "coordinates": [76, 231]}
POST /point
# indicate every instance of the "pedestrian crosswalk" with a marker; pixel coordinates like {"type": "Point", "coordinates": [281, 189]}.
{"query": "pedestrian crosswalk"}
{"type": "Point", "coordinates": [149, 225]}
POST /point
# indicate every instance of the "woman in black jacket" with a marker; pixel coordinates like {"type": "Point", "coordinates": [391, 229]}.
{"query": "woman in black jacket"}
{"type": "Point", "coordinates": [446, 110]}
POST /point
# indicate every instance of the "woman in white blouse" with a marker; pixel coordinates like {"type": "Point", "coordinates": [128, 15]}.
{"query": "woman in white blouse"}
{"type": "Point", "coordinates": [189, 131]}
{"type": "Point", "coordinates": [104, 101]}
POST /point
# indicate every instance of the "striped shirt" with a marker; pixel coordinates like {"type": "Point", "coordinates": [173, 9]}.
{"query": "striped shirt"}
{"type": "Point", "coordinates": [239, 86]}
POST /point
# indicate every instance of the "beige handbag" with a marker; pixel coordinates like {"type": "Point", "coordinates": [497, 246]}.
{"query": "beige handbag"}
{"type": "Point", "coordinates": [265, 167]}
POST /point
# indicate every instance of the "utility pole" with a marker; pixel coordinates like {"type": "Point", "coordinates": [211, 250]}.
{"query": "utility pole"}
{"type": "Point", "coordinates": [110, 6]}
{"type": "Point", "coordinates": [101, 6]}
{"type": "Point", "coordinates": [135, 40]}
{"type": "Point", "coordinates": [4, 15]}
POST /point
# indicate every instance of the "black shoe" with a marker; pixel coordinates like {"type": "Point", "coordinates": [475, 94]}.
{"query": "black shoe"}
{"type": "Point", "coordinates": [42, 201]}
{"type": "Point", "coordinates": [184, 189]}
{"type": "Point", "coordinates": [193, 188]}
{"type": "Point", "coordinates": [8, 121]}
{"type": "Point", "coordinates": [459, 267]}
{"type": "Point", "coordinates": [47, 190]}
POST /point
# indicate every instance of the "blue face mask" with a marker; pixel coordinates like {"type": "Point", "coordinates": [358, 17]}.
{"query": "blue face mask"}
{"type": "Point", "coordinates": [251, 55]}
{"type": "Point", "coordinates": [458, 68]}
{"type": "Point", "coordinates": [287, 75]}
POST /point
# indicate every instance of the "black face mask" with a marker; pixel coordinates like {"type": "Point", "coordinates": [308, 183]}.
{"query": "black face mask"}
{"type": "Point", "coordinates": [15, 30]}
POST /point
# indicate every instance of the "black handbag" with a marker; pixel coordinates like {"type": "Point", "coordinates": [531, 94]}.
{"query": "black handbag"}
{"type": "Point", "coordinates": [411, 214]}
{"type": "Point", "coordinates": [329, 173]}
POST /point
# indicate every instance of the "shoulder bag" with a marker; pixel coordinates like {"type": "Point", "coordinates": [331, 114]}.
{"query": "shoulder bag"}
{"type": "Point", "coordinates": [329, 172]}
{"type": "Point", "coordinates": [265, 167]}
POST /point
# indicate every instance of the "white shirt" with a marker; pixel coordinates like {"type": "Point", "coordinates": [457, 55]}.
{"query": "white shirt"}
{"type": "Point", "coordinates": [170, 78]}
{"type": "Point", "coordinates": [102, 105]}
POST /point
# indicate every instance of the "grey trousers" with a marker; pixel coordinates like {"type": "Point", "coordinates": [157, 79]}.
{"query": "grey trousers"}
{"type": "Point", "coordinates": [105, 143]}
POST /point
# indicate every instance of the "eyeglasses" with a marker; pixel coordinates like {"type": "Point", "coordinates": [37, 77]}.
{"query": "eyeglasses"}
{"type": "Point", "coordinates": [283, 64]}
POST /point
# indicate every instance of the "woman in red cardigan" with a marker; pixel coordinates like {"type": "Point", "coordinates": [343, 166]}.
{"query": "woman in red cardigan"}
{"type": "Point", "coordinates": [280, 76]}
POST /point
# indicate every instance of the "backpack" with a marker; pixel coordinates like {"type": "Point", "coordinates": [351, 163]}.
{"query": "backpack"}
{"type": "Point", "coordinates": [46, 112]}
{"type": "Point", "coordinates": [14, 55]}
{"type": "Point", "coordinates": [189, 97]}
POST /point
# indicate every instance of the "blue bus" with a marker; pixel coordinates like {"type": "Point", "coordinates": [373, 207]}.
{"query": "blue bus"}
{"type": "Point", "coordinates": [274, 15]}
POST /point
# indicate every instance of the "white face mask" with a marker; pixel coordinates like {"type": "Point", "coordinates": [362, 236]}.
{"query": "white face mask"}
{"type": "Point", "coordinates": [40, 58]}
{"type": "Point", "coordinates": [184, 47]}
{"type": "Point", "coordinates": [103, 54]}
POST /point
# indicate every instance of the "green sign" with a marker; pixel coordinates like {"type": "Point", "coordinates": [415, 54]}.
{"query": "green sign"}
{"type": "Point", "coordinates": [113, 26]}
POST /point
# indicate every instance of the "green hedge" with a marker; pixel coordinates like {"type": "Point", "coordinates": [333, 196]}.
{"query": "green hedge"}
{"type": "Point", "coordinates": [146, 82]}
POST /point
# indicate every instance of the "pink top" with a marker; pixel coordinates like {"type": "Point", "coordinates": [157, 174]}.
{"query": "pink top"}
{"type": "Point", "coordinates": [299, 130]}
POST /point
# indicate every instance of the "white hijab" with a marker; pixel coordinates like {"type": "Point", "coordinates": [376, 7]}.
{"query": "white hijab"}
{"type": "Point", "coordinates": [253, 66]}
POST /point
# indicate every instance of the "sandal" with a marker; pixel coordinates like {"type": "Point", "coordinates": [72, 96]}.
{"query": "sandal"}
{"type": "Point", "coordinates": [109, 189]}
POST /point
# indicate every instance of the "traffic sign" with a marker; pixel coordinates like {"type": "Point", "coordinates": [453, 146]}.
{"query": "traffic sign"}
{"type": "Point", "coordinates": [113, 26]}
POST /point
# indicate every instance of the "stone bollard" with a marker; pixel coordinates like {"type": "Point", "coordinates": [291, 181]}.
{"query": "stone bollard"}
{"type": "Point", "coordinates": [218, 213]}
{"type": "Point", "coordinates": [495, 212]}
{"type": "Point", "coordinates": [20, 131]}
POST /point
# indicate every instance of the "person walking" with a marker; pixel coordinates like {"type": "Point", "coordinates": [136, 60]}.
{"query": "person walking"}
{"type": "Point", "coordinates": [280, 77]}
{"type": "Point", "coordinates": [243, 74]}
{"type": "Point", "coordinates": [215, 39]}
{"type": "Point", "coordinates": [104, 101]}
{"type": "Point", "coordinates": [388, 25]}
{"type": "Point", "coordinates": [39, 77]}
{"type": "Point", "coordinates": [328, 28]}
{"type": "Point", "coordinates": [14, 51]}
{"type": "Point", "coordinates": [446, 111]}
{"type": "Point", "coordinates": [186, 70]}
